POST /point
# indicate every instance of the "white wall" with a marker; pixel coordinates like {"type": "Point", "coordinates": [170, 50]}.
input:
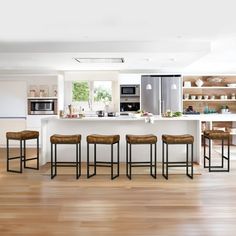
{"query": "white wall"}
{"type": "Point", "coordinates": [92, 75]}
{"type": "Point", "coordinates": [130, 78]}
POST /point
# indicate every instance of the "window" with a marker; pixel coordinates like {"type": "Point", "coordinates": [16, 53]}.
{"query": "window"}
{"type": "Point", "coordinates": [92, 95]}
{"type": "Point", "coordinates": [80, 91]}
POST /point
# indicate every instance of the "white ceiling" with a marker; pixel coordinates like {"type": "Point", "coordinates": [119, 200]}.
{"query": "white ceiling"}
{"type": "Point", "coordinates": [160, 35]}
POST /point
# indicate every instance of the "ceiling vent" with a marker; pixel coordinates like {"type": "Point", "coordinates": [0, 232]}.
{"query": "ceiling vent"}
{"type": "Point", "coordinates": [100, 60]}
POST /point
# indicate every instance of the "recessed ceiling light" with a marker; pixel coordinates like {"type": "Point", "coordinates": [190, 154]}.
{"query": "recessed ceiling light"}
{"type": "Point", "coordinates": [100, 60]}
{"type": "Point", "coordinates": [147, 59]}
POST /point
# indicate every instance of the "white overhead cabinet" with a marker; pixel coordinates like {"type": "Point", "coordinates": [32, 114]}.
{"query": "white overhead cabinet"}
{"type": "Point", "coordinates": [12, 108]}
{"type": "Point", "coordinates": [13, 99]}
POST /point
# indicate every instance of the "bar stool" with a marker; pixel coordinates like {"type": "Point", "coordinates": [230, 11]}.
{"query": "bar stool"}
{"type": "Point", "coordinates": [106, 140]}
{"type": "Point", "coordinates": [177, 139]}
{"type": "Point", "coordinates": [216, 135]}
{"type": "Point", "coordinates": [66, 139]}
{"type": "Point", "coordinates": [22, 136]}
{"type": "Point", "coordinates": [138, 140]}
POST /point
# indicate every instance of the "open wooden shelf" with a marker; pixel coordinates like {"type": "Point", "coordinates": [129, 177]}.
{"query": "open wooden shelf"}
{"type": "Point", "coordinates": [209, 100]}
{"type": "Point", "coordinates": [210, 88]}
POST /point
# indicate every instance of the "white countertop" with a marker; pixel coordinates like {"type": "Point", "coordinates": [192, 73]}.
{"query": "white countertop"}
{"type": "Point", "coordinates": [202, 117]}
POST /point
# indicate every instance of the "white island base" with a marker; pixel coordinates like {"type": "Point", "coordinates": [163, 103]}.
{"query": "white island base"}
{"type": "Point", "coordinates": [121, 126]}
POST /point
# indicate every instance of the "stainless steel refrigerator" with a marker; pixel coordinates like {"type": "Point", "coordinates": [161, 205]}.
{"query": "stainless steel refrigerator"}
{"type": "Point", "coordinates": [161, 93]}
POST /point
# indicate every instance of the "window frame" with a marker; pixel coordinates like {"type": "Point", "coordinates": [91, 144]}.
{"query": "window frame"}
{"type": "Point", "coordinates": [91, 100]}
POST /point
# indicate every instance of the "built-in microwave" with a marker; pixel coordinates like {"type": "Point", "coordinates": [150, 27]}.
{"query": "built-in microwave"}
{"type": "Point", "coordinates": [130, 90]}
{"type": "Point", "coordinates": [42, 107]}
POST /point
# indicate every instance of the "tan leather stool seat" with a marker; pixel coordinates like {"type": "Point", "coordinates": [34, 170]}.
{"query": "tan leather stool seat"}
{"type": "Point", "coordinates": [103, 139]}
{"type": "Point", "coordinates": [216, 134]}
{"type": "Point", "coordinates": [141, 139]}
{"type": "Point", "coordinates": [178, 139]}
{"type": "Point", "coordinates": [23, 135]}
{"type": "Point", "coordinates": [65, 139]}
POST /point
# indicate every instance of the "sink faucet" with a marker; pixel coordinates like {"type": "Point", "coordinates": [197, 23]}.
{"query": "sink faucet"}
{"type": "Point", "coordinates": [90, 104]}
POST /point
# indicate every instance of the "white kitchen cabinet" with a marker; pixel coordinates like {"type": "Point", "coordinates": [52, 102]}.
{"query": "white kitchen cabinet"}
{"type": "Point", "coordinates": [13, 99]}
{"type": "Point", "coordinates": [7, 125]}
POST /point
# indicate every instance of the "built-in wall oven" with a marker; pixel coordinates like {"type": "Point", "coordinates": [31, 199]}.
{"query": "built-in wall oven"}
{"type": "Point", "coordinates": [129, 104]}
{"type": "Point", "coordinates": [42, 106]}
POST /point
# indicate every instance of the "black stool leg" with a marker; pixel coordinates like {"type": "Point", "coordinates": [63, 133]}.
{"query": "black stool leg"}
{"type": "Point", "coordinates": [222, 153]}
{"type": "Point", "coordinates": [151, 159]}
{"type": "Point", "coordinates": [130, 161]}
{"type": "Point", "coordinates": [127, 161]}
{"type": "Point", "coordinates": [111, 161]}
{"type": "Point", "coordinates": [8, 155]}
{"type": "Point", "coordinates": [165, 162]}
{"type": "Point", "coordinates": [209, 155]}
{"type": "Point", "coordinates": [155, 160]}
{"type": "Point", "coordinates": [228, 168]}
{"type": "Point", "coordinates": [192, 160]}
{"type": "Point", "coordinates": [30, 159]}
{"type": "Point", "coordinates": [52, 163]}
{"type": "Point", "coordinates": [187, 162]}
{"type": "Point", "coordinates": [95, 158]}
{"type": "Point", "coordinates": [77, 161]}
{"type": "Point", "coordinates": [87, 160]}
{"type": "Point", "coordinates": [37, 153]}
{"type": "Point", "coordinates": [55, 160]}
{"type": "Point", "coordinates": [95, 161]}
{"type": "Point", "coordinates": [204, 151]}
{"type": "Point", "coordinates": [24, 153]}
{"type": "Point", "coordinates": [118, 158]}
{"type": "Point", "coordinates": [21, 156]}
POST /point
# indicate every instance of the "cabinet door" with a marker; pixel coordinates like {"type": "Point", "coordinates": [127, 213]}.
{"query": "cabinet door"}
{"type": "Point", "coordinates": [13, 102]}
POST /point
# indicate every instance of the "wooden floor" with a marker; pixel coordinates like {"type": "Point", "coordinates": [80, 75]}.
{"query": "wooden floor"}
{"type": "Point", "coordinates": [33, 204]}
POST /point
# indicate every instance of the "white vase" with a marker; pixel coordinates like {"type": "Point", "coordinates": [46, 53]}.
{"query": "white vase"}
{"type": "Point", "coordinates": [199, 82]}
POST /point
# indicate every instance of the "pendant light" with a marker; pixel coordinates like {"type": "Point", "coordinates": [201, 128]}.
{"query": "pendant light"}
{"type": "Point", "coordinates": [148, 87]}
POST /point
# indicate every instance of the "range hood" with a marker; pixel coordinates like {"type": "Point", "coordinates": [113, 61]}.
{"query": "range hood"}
{"type": "Point", "coordinates": [99, 60]}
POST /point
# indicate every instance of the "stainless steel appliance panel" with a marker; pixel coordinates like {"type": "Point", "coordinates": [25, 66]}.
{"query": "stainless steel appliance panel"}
{"type": "Point", "coordinates": [171, 93]}
{"type": "Point", "coordinates": [41, 107]}
{"type": "Point", "coordinates": [151, 99]}
{"type": "Point", "coordinates": [130, 90]}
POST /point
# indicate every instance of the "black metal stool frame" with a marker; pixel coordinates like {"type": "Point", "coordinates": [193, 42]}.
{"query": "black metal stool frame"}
{"type": "Point", "coordinates": [130, 164]}
{"type": "Point", "coordinates": [103, 163]}
{"type": "Point", "coordinates": [22, 156]}
{"type": "Point", "coordinates": [174, 163]}
{"type": "Point", "coordinates": [216, 168]}
{"type": "Point", "coordinates": [56, 163]}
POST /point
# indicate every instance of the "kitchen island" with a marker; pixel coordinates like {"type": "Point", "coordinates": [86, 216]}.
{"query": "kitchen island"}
{"type": "Point", "coordinates": [190, 124]}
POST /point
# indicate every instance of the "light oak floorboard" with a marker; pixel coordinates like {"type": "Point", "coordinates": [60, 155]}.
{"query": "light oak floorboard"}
{"type": "Point", "coordinates": [33, 204]}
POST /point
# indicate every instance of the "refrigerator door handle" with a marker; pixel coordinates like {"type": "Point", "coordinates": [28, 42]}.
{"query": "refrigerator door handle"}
{"type": "Point", "coordinates": [161, 106]}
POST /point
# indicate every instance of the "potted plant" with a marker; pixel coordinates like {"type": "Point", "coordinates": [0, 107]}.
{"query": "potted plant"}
{"type": "Point", "coordinates": [224, 109]}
